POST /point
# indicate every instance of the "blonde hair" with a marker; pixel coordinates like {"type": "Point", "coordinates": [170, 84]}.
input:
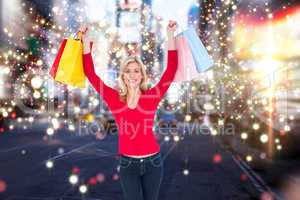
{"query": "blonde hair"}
{"type": "Point", "coordinates": [123, 91]}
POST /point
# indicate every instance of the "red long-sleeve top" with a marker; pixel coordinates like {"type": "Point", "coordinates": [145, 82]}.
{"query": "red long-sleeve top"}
{"type": "Point", "coordinates": [136, 136]}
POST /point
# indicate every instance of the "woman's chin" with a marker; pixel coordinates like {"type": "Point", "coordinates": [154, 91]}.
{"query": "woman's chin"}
{"type": "Point", "coordinates": [132, 86]}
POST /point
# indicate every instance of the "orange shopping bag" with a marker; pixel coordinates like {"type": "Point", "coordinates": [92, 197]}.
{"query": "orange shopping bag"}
{"type": "Point", "coordinates": [67, 67]}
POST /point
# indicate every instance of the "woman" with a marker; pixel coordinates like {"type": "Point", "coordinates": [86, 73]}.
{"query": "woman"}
{"type": "Point", "coordinates": [133, 106]}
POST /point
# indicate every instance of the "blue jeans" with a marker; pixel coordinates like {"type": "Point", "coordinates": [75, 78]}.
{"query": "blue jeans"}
{"type": "Point", "coordinates": [141, 177]}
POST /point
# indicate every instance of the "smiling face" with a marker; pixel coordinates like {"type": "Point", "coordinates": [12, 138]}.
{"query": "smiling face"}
{"type": "Point", "coordinates": [133, 75]}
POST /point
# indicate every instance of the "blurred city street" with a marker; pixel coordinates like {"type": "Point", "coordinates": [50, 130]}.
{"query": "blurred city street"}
{"type": "Point", "coordinates": [196, 168]}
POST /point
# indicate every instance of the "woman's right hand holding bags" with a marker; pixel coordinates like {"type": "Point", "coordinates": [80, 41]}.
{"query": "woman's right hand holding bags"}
{"type": "Point", "coordinates": [85, 40]}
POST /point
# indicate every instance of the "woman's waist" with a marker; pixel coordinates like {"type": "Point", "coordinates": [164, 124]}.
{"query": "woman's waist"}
{"type": "Point", "coordinates": [139, 157]}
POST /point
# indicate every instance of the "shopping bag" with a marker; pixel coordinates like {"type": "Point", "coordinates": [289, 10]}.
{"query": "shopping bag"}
{"type": "Point", "coordinates": [68, 64]}
{"type": "Point", "coordinates": [186, 70]}
{"type": "Point", "coordinates": [200, 55]}
{"type": "Point", "coordinates": [55, 64]}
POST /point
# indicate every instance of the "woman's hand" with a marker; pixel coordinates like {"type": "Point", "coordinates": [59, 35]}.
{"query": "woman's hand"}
{"type": "Point", "coordinates": [85, 39]}
{"type": "Point", "coordinates": [172, 26]}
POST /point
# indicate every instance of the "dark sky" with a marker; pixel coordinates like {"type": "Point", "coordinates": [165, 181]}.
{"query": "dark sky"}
{"type": "Point", "coordinates": [43, 6]}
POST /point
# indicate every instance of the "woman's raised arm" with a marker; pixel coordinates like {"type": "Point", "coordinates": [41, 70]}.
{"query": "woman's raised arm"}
{"type": "Point", "coordinates": [108, 94]}
{"type": "Point", "coordinates": [105, 91]}
{"type": "Point", "coordinates": [168, 76]}
{"type": "Point", "coordinates": [172, 63]}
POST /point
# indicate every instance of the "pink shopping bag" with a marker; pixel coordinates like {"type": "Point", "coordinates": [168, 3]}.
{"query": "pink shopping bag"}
{"type": "Point", "coordinates": [202, 60]}
{"type": "Point", "coordinates": [186, 67]}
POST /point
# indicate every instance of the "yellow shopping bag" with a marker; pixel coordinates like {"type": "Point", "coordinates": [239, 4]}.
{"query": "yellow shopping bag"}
{"type": "Point", "coordinates": [70, 64]}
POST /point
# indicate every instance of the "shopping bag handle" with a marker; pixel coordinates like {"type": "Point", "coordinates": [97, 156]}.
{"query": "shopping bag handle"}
{"type": "Point", "coordinates": [77, 35]}
{"type": "Point", "coordinates": [179, 31]}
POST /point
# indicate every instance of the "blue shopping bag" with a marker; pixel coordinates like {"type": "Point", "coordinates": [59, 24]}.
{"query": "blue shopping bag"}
{"type": "Point", "coordinates": [200, 55]}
